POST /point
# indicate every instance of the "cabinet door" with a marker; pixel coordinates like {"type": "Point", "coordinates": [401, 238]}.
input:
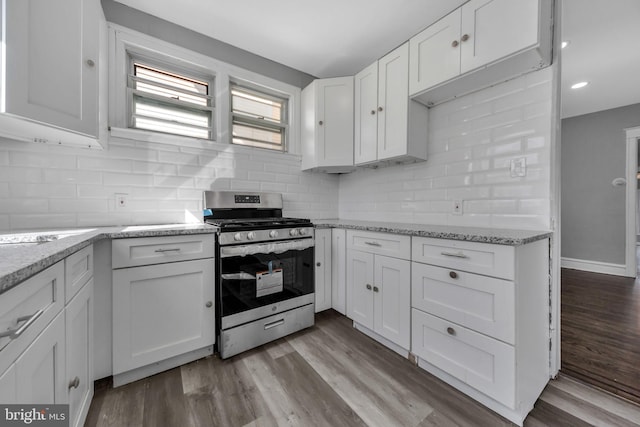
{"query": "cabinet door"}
{"type": "Point", "coordinates": [483, 363]}
{"type": "Point", "coordinates": [323, 269]}
{"type": "Point", "coordinates": [366, 115]}
{"type": "Point", "coordinates": [393, 98]}
{"type": "Point", "coordinates": [392, 299]}
{"type": "Point", "coordinates": [40, 370]}
{"type": "Point", "coordinates": [496, 28]}
{"type": "Point", "coordinates": [161, 311]}
{"type": "Point", "coordinates": [51, 62]}
{"type": "Point", "coordinates": [334, 122]}
{"type": "Point", "coordinates": [79, 335]}
{"type": "Point", "coordinates": [339, 270]}
{"type": "Point", "coordinates": [434, 57]}
{"type": "Point", "coordinates": [360, 287]}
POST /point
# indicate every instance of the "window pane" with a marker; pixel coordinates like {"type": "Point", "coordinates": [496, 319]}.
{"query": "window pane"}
{"type": "Point", "coordinates": [260, 137]}
{"type": "Point", "coordinates": [255, 106]}
{"type": "Point", "coordinates": [167, 102]}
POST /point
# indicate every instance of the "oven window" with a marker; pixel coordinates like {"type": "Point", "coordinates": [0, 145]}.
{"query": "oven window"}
{"type": "Point", "coordinates": [253, 281]}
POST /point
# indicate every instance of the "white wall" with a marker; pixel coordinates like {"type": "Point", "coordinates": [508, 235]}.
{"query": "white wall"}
{"type": "Point", "coordinates": [44, 186]}
{"type": "Point", "coordinates": [471, 142]}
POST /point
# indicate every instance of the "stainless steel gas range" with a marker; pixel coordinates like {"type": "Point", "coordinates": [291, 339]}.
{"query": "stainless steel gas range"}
{"type": "Point", "coordinates": [264, 269]}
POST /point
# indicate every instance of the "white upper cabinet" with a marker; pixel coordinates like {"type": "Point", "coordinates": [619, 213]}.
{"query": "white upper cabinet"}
{"type": "Point", "coordinates": [50, 72]}
{"type": "Point", "coordinates": [388, 125]}
{"type": "Point", "coordinates": [327, 125]}
{"type": "Point", "coordinates": [482, 43]}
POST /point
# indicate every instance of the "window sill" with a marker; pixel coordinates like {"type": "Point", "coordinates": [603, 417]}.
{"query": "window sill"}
{"type": "Point", "coordinates": [181, 141]}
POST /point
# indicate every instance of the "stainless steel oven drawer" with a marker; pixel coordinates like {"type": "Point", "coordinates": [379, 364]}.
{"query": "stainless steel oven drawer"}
{"type": "Point", "coordinates": [250, 335]}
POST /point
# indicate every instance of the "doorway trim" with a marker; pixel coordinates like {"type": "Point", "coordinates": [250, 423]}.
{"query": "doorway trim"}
{"type": "Point", "coordinates": [633, 135]}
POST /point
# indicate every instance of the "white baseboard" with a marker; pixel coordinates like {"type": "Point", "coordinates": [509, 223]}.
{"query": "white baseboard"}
{"type": "Point", "coordinates": [594, 266]}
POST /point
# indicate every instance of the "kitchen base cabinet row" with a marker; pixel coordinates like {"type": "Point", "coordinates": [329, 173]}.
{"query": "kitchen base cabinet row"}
{"type": "Point", "coordinates": [47, 350]}
{"type": "Point", "coordinates": [476, 315]}
{"type": "Point", "coordinates": [163, 303]}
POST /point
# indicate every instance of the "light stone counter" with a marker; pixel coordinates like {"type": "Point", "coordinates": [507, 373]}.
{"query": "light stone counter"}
{"type": "Point", "coordinates": [499, 236]}
{"type": "Point", "coordinates": [21, 261]}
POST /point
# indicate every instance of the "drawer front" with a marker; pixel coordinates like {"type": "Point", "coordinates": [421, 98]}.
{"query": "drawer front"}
{"type": "Point", "coordinates": [393, 245]}
{"type": "Point", "coordinates": [479, 361]}
{"type": "Point", "coordinates": [481, 258]}
{"type": "Point", "coordinates": [78, 269]}
{"type": "Point", "coordinates": [483, 304]}
{"type": "Point", "coordinates": [27, 309]}
{"type": "Point", "coordinates": [158, 250]}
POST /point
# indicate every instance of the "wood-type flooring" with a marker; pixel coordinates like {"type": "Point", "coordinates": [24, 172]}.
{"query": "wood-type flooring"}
{"type": "Point", "coordinates": [600, 331]}
{"type": "Point", "coordinates": [330, 375]}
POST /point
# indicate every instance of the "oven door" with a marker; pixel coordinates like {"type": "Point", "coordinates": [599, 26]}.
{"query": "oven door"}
{"type": "Point", "coordinates": [263, 275]}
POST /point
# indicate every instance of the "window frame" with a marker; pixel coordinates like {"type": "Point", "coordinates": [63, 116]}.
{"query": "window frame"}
{"type": "Point", "coordinates": [249, 88]}
{"type": "Point", "coordinates": [179, 71]}
{"type": "Point", "coordinates": [124, 42]}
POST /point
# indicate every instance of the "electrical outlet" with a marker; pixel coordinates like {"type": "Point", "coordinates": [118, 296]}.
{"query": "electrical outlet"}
{"type": "Point", "coordinates": [518, 167]}
{"type": "Point", "coordinates": [457, 207]}
{"type": "Point", "coordinates": [121, 200]}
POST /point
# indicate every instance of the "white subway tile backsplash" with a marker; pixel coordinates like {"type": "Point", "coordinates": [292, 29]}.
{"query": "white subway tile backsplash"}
{"type": "Point", "coordinates": [42, 160]}
{"type": "Point", "coordinates": [127, 179]}
{"type": "Point", "coordinates": [71, 176]}
{"type": "Point", "coordinates": [77, 205]}
{"type": "Point", "coordinates": [112, 165]}
{"type": "Point", "coordinates": [24, 221]}
{"type": "Point", "coordinates": [14, 205]}
{"type": "Point", "coordinates": [21, 174]}
{"type": "Point", "coordinates": [44, 190]}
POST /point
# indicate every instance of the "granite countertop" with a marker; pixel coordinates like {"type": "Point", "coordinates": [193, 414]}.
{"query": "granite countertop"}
{"type": "Point", "coordinates": [33, 251]}
{"type": "Point", "coordinates": [499, 236]}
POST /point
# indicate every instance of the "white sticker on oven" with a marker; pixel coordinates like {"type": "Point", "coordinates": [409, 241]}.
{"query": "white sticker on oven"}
{"type": "Point", "coordinates": [268, 283]}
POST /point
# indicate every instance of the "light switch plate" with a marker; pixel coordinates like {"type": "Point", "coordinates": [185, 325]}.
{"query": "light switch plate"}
{"type": "Point", "coordinates": [518, 167]}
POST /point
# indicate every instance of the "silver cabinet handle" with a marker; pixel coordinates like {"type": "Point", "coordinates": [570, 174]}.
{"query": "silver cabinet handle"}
{"type": "Point", "coordinates": [74, 383]}
{"type": "Point", "coordinates": [318, 264]}
{"type": "Point", "coordinates": [368, 287]}
{"type": "Point", "coordinates": [16, 332]}
{"type": "Point", "coordinates": [451, 331]}
{"type": "Point", "coordinates": [375, 289]}
{"type": "Point", "coordinates": [91, 63]}
{"type": "Point", "coordinates": [454, 254]}
{"type": "Point", "coordinates": [168, 250]}
{"type": "Point", "coordinates": [209, 304]}
{"type": "Point", "coordinates": [274, 324]}
{"type": "Point", "coordinates": [373, 244]}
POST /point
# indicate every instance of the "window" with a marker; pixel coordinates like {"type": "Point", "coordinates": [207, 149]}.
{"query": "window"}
{"type": "Point", "coordinates": [258, 119]}
{"type": "Point", "coordinates": [164, 101]}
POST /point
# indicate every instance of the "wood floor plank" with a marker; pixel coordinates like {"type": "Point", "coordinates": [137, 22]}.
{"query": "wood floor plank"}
{"type": "Point", "coordinates": [164, 402]}
{"type": "Point", "coordinates": [329, 375]}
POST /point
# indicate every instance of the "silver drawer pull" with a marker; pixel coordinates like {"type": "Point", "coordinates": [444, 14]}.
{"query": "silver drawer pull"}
{"type": "Point", "coordinates": [168, 250]}
{"type": "Point", "coordinates": [15, 333]}
{"type": "Point", "coordinates": [451, 331]}
{"type": "Point", "coordinates": [373, 244]}
{"type": "Point", "coordinates": [274, 324]}
{"type": "Point", "coordinates": [74, 383]}
{"type": "Point", "coordinates": [454, 254]}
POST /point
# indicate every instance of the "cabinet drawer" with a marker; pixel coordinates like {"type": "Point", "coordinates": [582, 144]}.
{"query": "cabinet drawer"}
{"type": "Point", "coordinates": [27, 309]}
{"type": "Point", "coordinates": [78, 269]}
{"type": "Point", "coordinates": [481, 258]}
{"type": "Point", "coordinates": [388, 244]}
{"type": "Point", "coordinates": [481, 303]}
{"type": "Point", "coordinates": [157, 250]}
{"type": "Point", "coordinates": [481, 362]}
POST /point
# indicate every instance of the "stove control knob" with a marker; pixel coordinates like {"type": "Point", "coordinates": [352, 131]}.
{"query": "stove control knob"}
{"type": "Point", "coordinates": [251, 235]}
{"type": "Point", "coordinates": [303, 231]}
{"type": "Point", "coordinates": [273, 234]}
{"type": "Point", "coordinates": [237, 237]}
{"type": "Point", "coordinates": [293, 232]}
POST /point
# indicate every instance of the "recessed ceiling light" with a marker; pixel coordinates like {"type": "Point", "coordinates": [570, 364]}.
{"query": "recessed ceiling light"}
{"type": "Point", "coordinates": [565, 44]}
{"type": "Point", "coordinates": [579, 85]}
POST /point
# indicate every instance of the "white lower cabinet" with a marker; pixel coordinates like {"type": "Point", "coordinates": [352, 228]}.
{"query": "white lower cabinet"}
{"type": "Point", "coordinates": [487, 336]}
{"type": "Point", "coordinates": [379, 292]}
{"type": "Point", "coordinates": [40, 370]}
{"type": "Point", "coordinates": [339, 270]}
{"type": "Point", "coordinates": [322, 269]}
{"type": "Point", "coordinates": [79, 345]}
{"type": "Point", "coordinates": [160, 312]}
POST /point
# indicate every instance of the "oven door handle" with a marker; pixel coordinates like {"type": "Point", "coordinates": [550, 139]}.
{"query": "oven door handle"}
{"type": "Point", "coordinates": [266, 248]}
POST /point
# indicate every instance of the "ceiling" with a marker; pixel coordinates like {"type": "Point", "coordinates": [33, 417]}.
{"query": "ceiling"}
{"type": "Point", "coordinates": [336, 37]}
{"type": "Point", "coordinates": [604, 51]}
